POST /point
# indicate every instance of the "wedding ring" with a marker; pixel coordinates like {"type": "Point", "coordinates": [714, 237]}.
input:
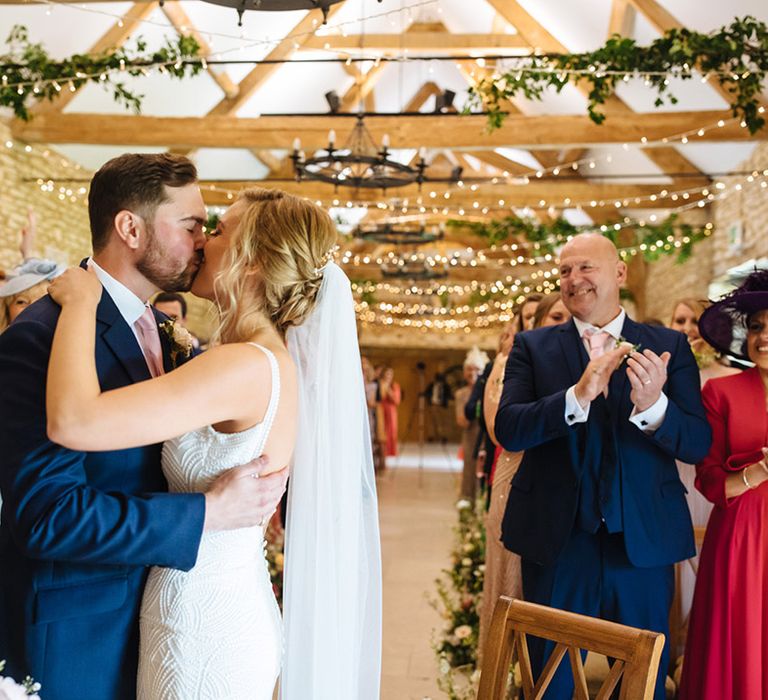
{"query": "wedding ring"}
{"type": "Point", "coordinates": [254, 475]}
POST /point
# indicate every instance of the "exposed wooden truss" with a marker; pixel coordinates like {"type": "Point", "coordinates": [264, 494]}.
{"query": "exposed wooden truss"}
{"type": "Point", "coordinates": [421, 42]}
{"type": "Point", "coordinates": [537, 194]}
{"type": "Point", "coordinates": [429, 130]}
{"type": "Point", "coordinates": [114, 37]}
{"type": "Point", "coordinates": [183, 25]}
{"type": "Point", "coordinates": [668, 159]}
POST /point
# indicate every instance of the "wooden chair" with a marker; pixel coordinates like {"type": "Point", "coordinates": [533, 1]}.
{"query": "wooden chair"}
{"type": "Point", "coordinates": [636, 652]}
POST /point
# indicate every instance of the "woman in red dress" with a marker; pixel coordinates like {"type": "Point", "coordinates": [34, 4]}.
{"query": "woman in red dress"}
{"type": "Point", "coordinates": [390, 399]}
{"type": "Point", "coordinates": [727, 647]}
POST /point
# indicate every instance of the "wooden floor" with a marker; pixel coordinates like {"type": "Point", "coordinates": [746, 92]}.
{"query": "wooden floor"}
{"type": "Point", "coordinates": [417, 514]}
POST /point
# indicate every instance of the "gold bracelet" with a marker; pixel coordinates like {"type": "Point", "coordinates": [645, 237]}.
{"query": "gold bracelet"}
{"type": "Point", "coordinates": [745, 480]}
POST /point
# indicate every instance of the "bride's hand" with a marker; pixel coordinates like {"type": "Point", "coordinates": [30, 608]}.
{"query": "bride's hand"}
{"type": "Point", "coordinates": [76, 286]}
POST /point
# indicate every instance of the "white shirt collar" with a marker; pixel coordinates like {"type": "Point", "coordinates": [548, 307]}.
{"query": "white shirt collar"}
{"type": "Point", "coordinates": [613, 328]}
{"type": "Point", "coordinates": [128, 304]}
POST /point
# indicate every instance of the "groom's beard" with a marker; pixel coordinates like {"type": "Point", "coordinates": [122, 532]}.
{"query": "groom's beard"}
{"type": "Point", "coordinates": [156, 266]}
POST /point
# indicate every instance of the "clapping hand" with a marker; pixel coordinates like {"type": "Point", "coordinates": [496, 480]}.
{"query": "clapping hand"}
{"type": "Point", "coordinates": [76, 285]}
{"type": "Point", "coordinates": [647, 374]}
{"type": "Point", "coordinates": [597, 374]}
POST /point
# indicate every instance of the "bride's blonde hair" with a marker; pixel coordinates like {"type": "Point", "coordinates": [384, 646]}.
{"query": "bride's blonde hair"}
{"type": "Point", "coordinates": [287, 240]}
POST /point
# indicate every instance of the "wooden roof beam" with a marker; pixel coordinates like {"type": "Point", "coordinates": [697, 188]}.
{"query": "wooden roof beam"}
{"type": "Point", "coordinates": [428, 130]}
{"type": "Point", "coordinates": [181, 22]}
{"type": "Point", "coordinates": [669, 160]}
{"type": "Point", "coordinates": [420, 41]}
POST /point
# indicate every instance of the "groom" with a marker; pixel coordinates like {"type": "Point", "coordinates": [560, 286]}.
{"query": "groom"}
{"type": "Point", "coordinates": [78, 530]}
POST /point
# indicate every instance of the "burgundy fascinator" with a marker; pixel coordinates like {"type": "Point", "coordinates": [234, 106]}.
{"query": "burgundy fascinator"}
{"type": "Point", "coordinates": [724, 324]}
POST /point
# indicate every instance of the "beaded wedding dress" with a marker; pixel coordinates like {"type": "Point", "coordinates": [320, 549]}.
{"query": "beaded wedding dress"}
{"type": "Point", "coordinates": [213, 632]}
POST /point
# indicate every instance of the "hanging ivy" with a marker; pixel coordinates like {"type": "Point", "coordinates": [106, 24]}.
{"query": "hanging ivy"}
{"type": "Point", "coordinates": [735, 56]}
{"type": "Point", "coordinates": [28, 74]}
{"type": "Point", "coordinates": [670, 237]}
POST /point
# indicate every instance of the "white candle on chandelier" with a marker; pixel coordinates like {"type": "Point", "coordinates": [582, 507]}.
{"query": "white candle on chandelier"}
{"type": "Point", "coordinates": [385, 141]}
{"type": "Point", "coordinates": [297, 144]}
{"type": "Point", "coordinates": [332, 137]}
{"type": "Point", "coordinates": [422, 152]}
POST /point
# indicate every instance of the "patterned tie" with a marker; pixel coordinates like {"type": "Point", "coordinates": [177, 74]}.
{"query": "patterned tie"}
{"type": "Point", "coordinates": [596, 340]}
{"type": "Point", "coordinates": [150, 342]}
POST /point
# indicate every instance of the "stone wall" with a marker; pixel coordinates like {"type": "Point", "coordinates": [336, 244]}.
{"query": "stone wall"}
{"type": "Point", "coordinates": [666, 282]}
{"type": "Point", "coordinates": [62, 225]}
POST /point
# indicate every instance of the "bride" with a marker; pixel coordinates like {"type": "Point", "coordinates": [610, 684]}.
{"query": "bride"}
{"type": "Point", "coordinates": [283, 379]}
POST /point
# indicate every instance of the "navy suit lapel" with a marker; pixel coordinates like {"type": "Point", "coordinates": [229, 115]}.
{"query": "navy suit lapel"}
{"type": "Point", "coordinates": [620, 386]}
{"type": "Point", "coordinates": [119, 337]}
{"type": "Point", "coordinates": [573, 350]}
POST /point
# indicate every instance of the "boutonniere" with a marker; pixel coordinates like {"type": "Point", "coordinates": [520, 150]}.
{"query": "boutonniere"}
{"type": "Point", "coordinates": [636, 347]}
{"type": "Point", "coordinates": [180, 340]}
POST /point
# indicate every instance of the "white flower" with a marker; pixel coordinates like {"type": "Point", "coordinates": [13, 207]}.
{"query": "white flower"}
{"type": "Point", "coordinates": [463, 504]}
{"type": "Point", "coordinates": [10, 690]}
{"type": "Point", "coordinates": [182, 337]}
{"type": "Point", "coordinates": [466, 561]}
{"type": "Point", "coordinates": [462, 631]}
{"type": "Point", "coordinates": [445, 667]}
{"type": "Point", "coordinates": [467, 547]}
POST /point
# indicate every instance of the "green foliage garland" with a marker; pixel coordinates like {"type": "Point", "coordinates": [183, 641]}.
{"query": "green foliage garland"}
{"type": "Point", "coordinates": [735, 56]}
{"type": "Point", "coordinates": [669, 237]}
{"type": "Point", "coordinates": [29, 74]}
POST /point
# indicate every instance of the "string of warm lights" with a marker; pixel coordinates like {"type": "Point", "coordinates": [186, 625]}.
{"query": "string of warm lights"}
{"type": "Point", "coordinates": [339, 28]}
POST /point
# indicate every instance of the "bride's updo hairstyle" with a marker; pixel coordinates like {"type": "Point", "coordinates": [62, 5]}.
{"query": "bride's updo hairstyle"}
{"type": "Point", "coordinates": [287, 241]}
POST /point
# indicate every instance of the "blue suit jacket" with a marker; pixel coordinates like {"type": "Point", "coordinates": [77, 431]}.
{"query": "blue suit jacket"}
{"type": "Point", "coordinates": [543, 501]}
{"type": "Point", "coordinates": [79, 529]}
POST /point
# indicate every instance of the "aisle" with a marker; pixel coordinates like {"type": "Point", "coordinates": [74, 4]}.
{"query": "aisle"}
{"type": "Point", "coordinates": [417, 513]}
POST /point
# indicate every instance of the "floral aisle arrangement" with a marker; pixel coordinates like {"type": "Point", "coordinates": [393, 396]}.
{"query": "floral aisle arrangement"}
{"type": "Point", "coordinates": [459, 592]}
{"type": "Point", "coordinates": [11, 690]}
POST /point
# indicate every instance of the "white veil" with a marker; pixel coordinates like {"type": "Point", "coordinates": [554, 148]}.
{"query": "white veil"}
{"type": "Point", "coordinates": [332, 585]}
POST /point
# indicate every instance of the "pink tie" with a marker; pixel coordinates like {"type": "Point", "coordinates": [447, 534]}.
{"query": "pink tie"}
{"type": "Point", "coordinates": [596, 340]}
{"type": "Point", "coordinates": [150, 342]}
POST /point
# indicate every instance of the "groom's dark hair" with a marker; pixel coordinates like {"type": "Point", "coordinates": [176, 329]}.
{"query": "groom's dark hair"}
{"type": "Point", "coordinates": [136, 182]}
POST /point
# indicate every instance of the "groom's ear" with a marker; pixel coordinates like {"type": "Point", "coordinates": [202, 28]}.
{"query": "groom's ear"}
{"type": "Point", "coordinates": [130, 228]}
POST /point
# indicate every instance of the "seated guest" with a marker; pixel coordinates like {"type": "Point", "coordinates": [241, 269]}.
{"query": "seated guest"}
{"type": "Point", "coordinates": [727, 642]}
{"type": "Point", "coordinates": [174, 306]}
{"type": "Point", "coordinates": [25, 285]}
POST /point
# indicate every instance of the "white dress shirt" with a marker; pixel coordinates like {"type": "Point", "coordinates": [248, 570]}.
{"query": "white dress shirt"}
{"type": "Point", "coordinates": [128, 304]}
{"type": "Point", "coordinates": [648, 420]}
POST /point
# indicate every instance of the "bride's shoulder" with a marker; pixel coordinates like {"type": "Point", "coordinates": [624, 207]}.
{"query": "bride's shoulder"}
{"type": "Point", "coordinates": [251, 358]}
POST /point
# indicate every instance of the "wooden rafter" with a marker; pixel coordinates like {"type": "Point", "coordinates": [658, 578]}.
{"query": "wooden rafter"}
{"type": "Point", "coordinates": [668, 159]}
{"type": "Point", "coordinates": [430, 130]}
{"type": "Point", "coordinates": [114, 37]}
{"type": "Point", "coordinates": [427, 90]}
{"type": "Point", "coordinates": [622, 20]}
{"type": "Point", "coordinates": [421, 41]}
{"type": "Point", "coordinates": [551, 192]}
{"type": "Point", "coordinates": [662, 21]}
{"type": "Point", "coordinates": [362, 88]}
{"type": "Point", "coordinates": [284, 49]}
{"type": "Point", "coordinates": [183, 25]}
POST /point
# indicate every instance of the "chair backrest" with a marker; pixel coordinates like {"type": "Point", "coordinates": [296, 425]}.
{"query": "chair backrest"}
{"type": "Point", "coordinates": [636, 652]}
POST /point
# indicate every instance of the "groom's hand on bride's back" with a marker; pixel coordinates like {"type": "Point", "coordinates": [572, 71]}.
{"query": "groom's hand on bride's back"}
{"type": "Point", "coordinates": [243, 497]}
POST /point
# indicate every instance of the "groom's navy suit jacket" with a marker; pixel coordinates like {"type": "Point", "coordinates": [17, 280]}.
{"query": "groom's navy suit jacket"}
{"type": "Point", "coordinates": [544, 500]}
{"type": "Point", "coordinates": [79, 529]}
